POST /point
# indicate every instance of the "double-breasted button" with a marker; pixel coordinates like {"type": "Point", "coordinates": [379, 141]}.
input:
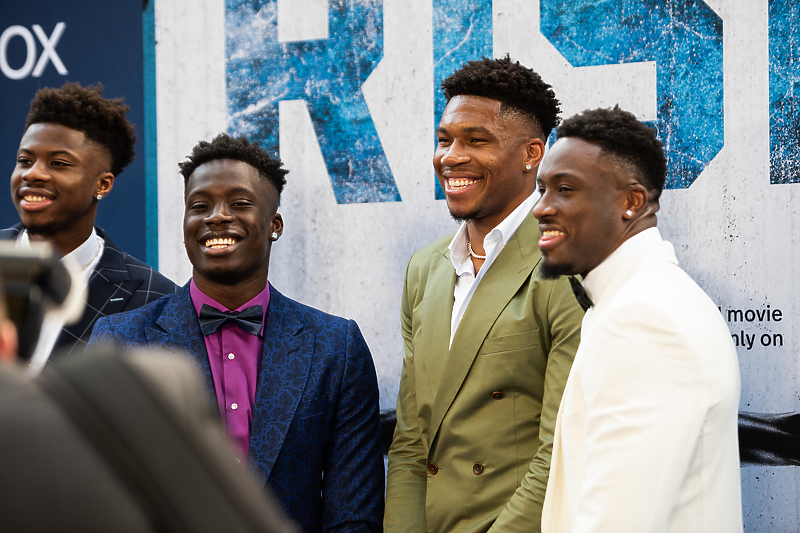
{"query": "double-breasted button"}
{"type": "Point", "coordinates": [433, 469]}
{"type": "Point", "coordinates": [498, 395]}
{"type": "Point", "coordinates": [477, 469]}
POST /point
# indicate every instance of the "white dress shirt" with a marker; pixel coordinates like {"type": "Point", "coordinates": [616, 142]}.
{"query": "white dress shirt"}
{"type": "Point", "coordinates": [83, 259]}
{"type": "Point", "coordinates": [493, 244]}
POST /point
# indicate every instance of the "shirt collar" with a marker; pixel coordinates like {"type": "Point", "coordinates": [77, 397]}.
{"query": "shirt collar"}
{"type": "Point", "coordinates": [459, 254]}
{"type": "Point", "coordinates": [199, 298]}
{"type": "Point", "coordinates": [598, 278]}
{"type": "Point", "coordinates": [82, 255]}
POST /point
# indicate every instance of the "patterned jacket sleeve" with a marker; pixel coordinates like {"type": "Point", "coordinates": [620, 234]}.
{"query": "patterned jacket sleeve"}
{"type": "Point", "coordinates": [352, 491]}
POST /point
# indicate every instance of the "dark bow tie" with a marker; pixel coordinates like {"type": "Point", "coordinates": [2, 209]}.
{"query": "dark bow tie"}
{"type": "Point", "coordinates": [211, 319]}
{"type": "Point", "coordinates": [580, 293]}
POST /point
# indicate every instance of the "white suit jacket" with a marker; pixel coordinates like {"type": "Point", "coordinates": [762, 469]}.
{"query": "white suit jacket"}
{"type": "Point", "coordinates": [646, 435]}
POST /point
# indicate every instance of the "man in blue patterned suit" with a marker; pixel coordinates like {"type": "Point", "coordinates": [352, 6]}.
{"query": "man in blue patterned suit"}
{"type": "Point", "coordinates": [75, 144]}
{"type": "Point", "coordinates": [295, 387]}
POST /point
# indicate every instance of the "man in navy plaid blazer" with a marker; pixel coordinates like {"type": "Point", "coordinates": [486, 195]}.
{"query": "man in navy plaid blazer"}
{"type": "Point", "coordinates": [75, 143]}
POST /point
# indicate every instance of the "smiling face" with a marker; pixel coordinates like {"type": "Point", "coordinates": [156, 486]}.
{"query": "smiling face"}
{"type": "Point", "coordinates": [229, 216]}
{"type": "Point", "coordinates": [480, 159]}
{"type": "Point", "coordinates": [582, 210]}
{"type": "Point", "coordinates": [59, 173]}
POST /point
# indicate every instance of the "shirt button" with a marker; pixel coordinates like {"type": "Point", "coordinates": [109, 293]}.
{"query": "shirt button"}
{"type": "Point", "coordinates": [231, 356]}
{"type": "Point", "coordinates": [497, 395]}
{"type": "Point", "coordinates": [433, 469]}
{"type": "Point", "coordinates": [234, 406]}
{"type": "Point", "coordinates": [477, 469]}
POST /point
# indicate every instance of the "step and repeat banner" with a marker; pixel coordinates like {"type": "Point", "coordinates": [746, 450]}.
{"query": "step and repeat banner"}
{"type": "Point", "coordinates": [346, 92]}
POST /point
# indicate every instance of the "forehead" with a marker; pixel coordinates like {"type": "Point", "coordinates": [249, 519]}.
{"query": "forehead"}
{"type": "Point", "coordinates": [464, 110]}
{"type": "Point", "coordinates": [575, 157]}
{"type": "Point", "coordinates": [50, 136]}
{"type": "Point", "coordinates": [222, 176]}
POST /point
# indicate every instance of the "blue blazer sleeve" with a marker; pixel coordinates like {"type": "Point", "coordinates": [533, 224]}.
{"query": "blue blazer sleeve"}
{"type": "Point", "coordinates": [353, 486]}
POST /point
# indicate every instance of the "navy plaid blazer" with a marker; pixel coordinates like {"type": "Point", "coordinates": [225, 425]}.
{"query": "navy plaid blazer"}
{"type": "Point", "coordinates": [119, 282]}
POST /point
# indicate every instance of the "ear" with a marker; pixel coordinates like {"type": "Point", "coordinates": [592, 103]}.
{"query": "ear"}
{"type": "Point", "coordinates": [636, 200]}
{"type": "Point", "coordinates": [8, 342]}
{"type": "Point", "coordinates": [105, 182]}
{"type": "Point", "coordinates": [534, 152]}
{"type": "Point", "coordinates": [276, 224]}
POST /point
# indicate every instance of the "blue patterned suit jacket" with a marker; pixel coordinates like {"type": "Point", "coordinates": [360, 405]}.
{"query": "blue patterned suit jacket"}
{"type": "Point", "coordinates": [315, 431]}
{"type": "Point", "coordinates": [120, 282]}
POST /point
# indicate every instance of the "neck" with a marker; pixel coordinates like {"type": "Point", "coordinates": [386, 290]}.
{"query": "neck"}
{"type": "Point", "coordinates": [645, 220]}
{"type": "Point", "coordinates": [231, 296]}
{"type": "Point", "coordinates": [66, 241]}
{"type": "Point", "coordinates": [642, 223]}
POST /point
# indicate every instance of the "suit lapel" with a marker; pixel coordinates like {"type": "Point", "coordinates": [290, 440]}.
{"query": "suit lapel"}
{"type": "Point", "coordinates": [287, 353]}
{"type": "Point", "coordinates": [109, 289]}
{"type": "Point", "coordinates": [179, 327]}
{"type": "Point", "coordinates": [9, 234]}
{"type": "Point", "coordinates": [500, 283]}
{"type": "Point", "coordinates": [435, 323]}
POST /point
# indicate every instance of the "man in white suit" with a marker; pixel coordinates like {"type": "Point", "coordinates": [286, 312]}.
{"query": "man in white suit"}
{"type": "Point", "coordinates": [646, 435]}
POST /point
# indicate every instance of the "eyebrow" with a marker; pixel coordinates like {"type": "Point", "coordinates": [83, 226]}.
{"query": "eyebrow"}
{"type": "Point", "coordinates": [51, 152]}
{"type": "Point", "coordinates": [468, 129]}
{"type": "Point", "coordinates": [233, 190]}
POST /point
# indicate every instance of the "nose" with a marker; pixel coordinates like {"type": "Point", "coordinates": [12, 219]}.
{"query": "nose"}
{"type": "Point", "coordinates": [455, 154]}
{"type": "Point", "coordinates": [219, 214]}
{"type": "Point", "coordinates": [36, 172]}
{"type": "Point", "coordinates": [543, 207]}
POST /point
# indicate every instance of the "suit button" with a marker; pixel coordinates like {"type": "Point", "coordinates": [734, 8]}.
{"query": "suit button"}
{"type": "Point", "coordinates": [497, 395]}
{"type": "Point", "coordinates": [433, 469]}
{"type": "Point", "coordinates": [477, 469]}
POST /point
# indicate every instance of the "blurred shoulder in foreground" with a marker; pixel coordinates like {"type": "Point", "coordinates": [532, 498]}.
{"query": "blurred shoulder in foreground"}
{"type": "Point", "coordinates": [130, 443]}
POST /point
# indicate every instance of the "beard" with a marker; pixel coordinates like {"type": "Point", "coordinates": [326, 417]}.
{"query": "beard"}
{"type": "Point", "coordinates": [550, 271]}
{"type": "Point", "coordinates": [463, 217]}
{"type": "Point", "coordinates": [43, 230]}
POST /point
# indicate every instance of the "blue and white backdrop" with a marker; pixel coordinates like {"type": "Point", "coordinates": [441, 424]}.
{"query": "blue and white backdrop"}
{"type": "Point", "coordinates": [346, 91]}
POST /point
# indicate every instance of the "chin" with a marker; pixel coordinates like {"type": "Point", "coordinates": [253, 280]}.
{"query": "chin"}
{"type": "Point", "coordinates": [34, 228]}
{"type": "Point", "coordinates": [551, 270]}
{"type": "Point", "coordinates": [464, 216]}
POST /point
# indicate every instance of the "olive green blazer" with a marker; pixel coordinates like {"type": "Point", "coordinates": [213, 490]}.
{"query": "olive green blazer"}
{"type": "Point", "coordinates": [475, 422]}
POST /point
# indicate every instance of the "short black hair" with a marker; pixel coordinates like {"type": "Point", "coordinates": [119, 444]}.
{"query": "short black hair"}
{"type": "Point", "coordinates": [223, 146]}
{"type": "Point", "coordinates": [84, 109]}
{"type": "Point", "coordinates": [515, 86]}
{"type": "Point", "coordinates": [622, 136]}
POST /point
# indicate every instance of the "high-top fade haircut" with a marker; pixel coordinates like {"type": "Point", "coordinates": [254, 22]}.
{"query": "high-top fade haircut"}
{"type": "Point", "coordinates": [84, 109]}
{"type": "Point", "coordinates": [624, 138]}
{"type": "Point", "coordinates": [517, 88]}
{"type": "Point", "coordinates": [223, 146]}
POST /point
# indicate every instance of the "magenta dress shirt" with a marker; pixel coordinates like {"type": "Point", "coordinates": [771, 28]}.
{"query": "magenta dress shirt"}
{"type": "Point", "coordinates": [234, 357]}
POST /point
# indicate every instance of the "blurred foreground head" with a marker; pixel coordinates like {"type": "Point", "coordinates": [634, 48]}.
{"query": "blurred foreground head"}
{"type": "Point", "coordinates": [34, 283]}
{"type": "Point", "coordinates": [8, 333]}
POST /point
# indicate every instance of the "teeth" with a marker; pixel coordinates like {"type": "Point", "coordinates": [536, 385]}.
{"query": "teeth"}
{"type": "Point", "coordinates": [34, 199]}
{"type": "Point", "coordinates": [457, 183]}
{"type": "Point", "coordinates": [553, 233]}
{"type": "Point", "coordinates": [218, 244]}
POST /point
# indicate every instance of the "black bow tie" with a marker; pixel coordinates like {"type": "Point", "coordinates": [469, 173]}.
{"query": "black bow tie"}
{"type": "Point", "coordinates": [211, 319]}
{"type": "Point", "coordinates": [580, 293]}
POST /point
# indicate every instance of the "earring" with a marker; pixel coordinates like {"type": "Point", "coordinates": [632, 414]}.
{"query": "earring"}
{"type": "Point", "coordinates": [528, 166]}
{"type": "Point", "coordinates": [629, 213]}
{"type": "Point", "coordinates": [99, 196]}
{"type": "Point", "coordinates": [274, 236]}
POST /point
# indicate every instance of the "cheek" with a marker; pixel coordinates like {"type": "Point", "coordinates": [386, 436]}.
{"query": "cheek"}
{"type": "Point", "coordinates": [189, 227]}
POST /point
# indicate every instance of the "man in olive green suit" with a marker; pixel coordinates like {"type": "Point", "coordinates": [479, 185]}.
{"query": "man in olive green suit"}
{"type": "Point", "coordinates": [488, 342]}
